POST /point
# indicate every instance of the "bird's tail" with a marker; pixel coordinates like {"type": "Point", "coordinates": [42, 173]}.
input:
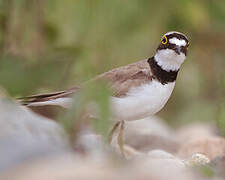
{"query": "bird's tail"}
{"type": "Point", "coordinates": [49, 104]}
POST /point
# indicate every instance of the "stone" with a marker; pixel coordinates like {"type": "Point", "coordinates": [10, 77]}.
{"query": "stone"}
{"type": "Point", "coordinates": [150, 133]}
{"type": "Point", "coordinates": [212, 147]}
{"type": "Point", "coordinates": [25, 135]}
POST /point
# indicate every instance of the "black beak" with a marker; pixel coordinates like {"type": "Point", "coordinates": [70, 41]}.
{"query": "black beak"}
{"type": "Point", "coordinates": [177, 49]}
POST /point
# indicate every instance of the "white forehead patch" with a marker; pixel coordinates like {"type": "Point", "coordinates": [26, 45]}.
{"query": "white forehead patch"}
{"type": "Point", "coordinates": [178, 42]}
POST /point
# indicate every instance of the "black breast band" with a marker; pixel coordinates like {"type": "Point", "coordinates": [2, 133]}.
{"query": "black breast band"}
{"type": "Point", "coordinates": [160, 74]}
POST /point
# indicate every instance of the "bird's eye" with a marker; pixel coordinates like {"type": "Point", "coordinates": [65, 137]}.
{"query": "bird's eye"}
{"type": "Point", "coordinates": [164, 40]}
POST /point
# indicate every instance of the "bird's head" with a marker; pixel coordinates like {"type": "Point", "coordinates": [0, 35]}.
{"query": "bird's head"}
{"type": "Point", "coordinates": [172, 51]}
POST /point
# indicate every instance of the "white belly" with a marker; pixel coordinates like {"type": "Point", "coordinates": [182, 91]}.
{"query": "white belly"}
{"type": "Point", "coordinates": [142, 101]}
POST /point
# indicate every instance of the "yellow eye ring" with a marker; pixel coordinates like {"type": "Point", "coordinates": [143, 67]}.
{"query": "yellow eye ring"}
{"type": "Point", "coordinates": [164, 40]}
{"type": "Point", "coordinates": [188, 45]}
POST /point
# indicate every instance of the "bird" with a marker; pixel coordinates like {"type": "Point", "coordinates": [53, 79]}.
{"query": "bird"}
{"type": "Point", "coordinates": [139, 90]}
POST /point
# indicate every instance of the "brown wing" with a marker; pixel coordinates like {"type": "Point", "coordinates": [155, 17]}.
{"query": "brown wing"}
{"type": "Point", "coordinates": [123, 78]}
{"type": "Point", "coordinates": [120, 80]}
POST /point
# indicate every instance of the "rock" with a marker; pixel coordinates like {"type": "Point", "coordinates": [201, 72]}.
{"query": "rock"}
{"type": "Point", "coordinates": [66, 166]}
{"type": "Point", "coordinates": [160, 165]}
{"type": "Point", "coordinates": [197, 159]}
{"type": "Point", "coordinates": [160, 154]}
{"type": "Point", "coordinates": [212, 147]}
{"type": "Point", "coordinates": [33, 147]}
{"type": "Point", "coordinates": [193, 131]}
{"type": "Point", "coordinates": [150, 133]}
{"type": "Point", "coordinates": [90, 144]}
{"type": "Point", "coordinates": [69, 166]}
{"type": "Point", "coordinates": [25, 135]}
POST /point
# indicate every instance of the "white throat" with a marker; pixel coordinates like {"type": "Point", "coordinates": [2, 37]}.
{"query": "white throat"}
{"type": "Point", "coordinates": [169, 60]}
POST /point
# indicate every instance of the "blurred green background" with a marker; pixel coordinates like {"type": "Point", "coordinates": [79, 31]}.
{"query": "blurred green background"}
{"type": "Point", "coordinates": [49, 45]}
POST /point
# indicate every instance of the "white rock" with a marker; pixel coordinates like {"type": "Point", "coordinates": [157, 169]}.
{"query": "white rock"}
{"type": "Point", "coordinates": [211, 146]}
{"type": "Point", "coordinates": [198, 159]}
{"type": "Point", "coordinates": [194, 131]}
{"type": "Point", "coordinates": [150, 133]}
{"type": "Point", "coordinates": [161, 168]}
{"type": "Point", "coordinates": [63, 167]}
{"type": "Point", "coordinates": [91, 145]}
{"type": "Point", "coordinates": [160, 154]}
{"type": "Point", "coordinates": [25, 135]}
